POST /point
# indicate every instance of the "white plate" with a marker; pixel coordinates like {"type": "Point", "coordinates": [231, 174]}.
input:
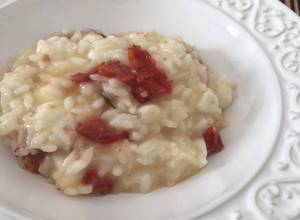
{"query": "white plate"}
{"type": "Point", "coordinates": [257, 42]}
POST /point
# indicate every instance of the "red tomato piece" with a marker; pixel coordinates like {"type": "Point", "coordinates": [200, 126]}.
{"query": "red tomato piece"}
{"type": "Point", "coordinates": [115, 69]}
{"type": "Point", "coordinates": [102, 185]}
{"type": "Point", "coordinates": [31, 162]}
{"type": "Point", "coordinates": [141, 93]}
{"type": "Point", "coordinates": [151, 82]}
{"type": "Point", "coordinates": [100, 132]}
{"type": "Point", "coordinates": [145, 80]}
{"type": "Point", "coordinates": [140, 59]}
{"type": "Point", "coordinates": [80, 77]}
{"type": "Point", "coordinates": [84, 77]}
{"type": "Point", "coordinates": [212, 140]}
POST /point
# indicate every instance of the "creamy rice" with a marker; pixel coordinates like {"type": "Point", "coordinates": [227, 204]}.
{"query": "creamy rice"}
{"type": "Point", "coordinates": [41, 108]}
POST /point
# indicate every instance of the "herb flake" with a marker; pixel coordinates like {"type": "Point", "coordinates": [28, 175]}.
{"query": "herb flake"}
{"type": "Point", "coordinates": [108, 101]}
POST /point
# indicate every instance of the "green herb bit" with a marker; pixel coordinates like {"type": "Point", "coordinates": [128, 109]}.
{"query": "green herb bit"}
{"type": "Point", "coordinates": [107, 100]}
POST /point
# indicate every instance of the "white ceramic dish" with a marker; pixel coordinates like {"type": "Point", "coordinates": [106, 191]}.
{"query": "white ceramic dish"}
{"type": "Point", "coordinates": [257, 42]}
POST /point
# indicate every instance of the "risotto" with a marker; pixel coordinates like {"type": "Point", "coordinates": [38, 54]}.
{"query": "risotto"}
{"type": "Point", "coordinates": [109, 114]}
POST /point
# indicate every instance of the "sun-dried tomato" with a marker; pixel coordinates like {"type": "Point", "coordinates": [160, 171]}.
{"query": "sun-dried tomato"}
{"type": "Point", "coordinates": [83, 77]}
{"type": "Point", "coordinates": [80, 77]}
{"type": "Point", "coordinates": [100, 132]}
{"type": "Point", "coordinates": [31, 162]}
{"type": "Point", "coordinates": [102, 185]}
{"type": "Point", "coordinates": [212, 140]}
{"type": "Point", "coordinates": [151, 82]}
{"type": "Point", "coordinates": [115, 69]}
{"type": "Point", "coordinates": [139, 59]}
{"type": "Point", "coordinates": [145, 80]}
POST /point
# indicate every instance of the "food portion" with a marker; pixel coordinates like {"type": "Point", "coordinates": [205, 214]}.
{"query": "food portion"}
{"type": "Point", "coordinates": [109, 114]}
